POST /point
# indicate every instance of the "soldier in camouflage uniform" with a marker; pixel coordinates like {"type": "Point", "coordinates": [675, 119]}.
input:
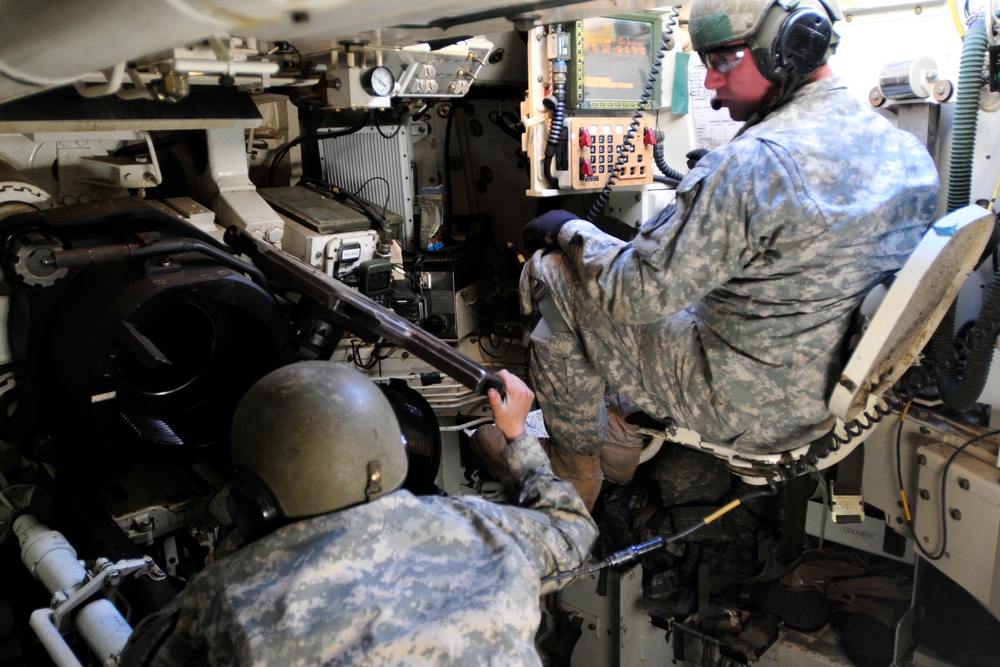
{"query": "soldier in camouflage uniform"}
{"type": "Point", "coordinates": [399, 580]}
{"type": "Point", "coordinates": [727, 312]}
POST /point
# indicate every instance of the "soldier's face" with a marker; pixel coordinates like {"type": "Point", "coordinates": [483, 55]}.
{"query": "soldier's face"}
{"type": "Point", "coordinates": [738, 84]}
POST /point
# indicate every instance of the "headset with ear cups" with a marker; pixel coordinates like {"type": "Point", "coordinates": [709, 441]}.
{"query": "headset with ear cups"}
{"type": "Point", "coordinates": [802, 43]}
{"type": "Point", "coordinates": [253, 506]}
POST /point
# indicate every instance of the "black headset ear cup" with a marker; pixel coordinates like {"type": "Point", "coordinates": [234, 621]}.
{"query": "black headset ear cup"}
{"type": "Point", "coordinates": [253, 507]}
{"type": "Point", "coordinates": [802, 42]}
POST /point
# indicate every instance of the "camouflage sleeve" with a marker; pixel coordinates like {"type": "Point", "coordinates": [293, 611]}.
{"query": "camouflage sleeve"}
{"type": "Point", "coordinates": [563, 543]}
{"type": "Point", "coordinates": [681, 254]}
{"type": "Point", "coordinates": [171, 637]}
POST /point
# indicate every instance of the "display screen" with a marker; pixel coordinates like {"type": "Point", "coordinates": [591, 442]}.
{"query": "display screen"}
{"type": "Point", "coordinates": [375, 277]}
{"type": "Point", "coordinates": [614, 60]}
{"type": "Point", "coordinates": [378, 282]}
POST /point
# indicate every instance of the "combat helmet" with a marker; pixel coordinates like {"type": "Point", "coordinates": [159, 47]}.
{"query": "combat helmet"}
{"type": "Point", "coordinates": [789, 39]}
{"type": "Point", "coordinates": [310, 438]}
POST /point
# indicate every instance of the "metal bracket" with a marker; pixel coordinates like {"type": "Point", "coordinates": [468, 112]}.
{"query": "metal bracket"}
{"type": "Point", "coordinates": [846, 508]}
{"type": "Point", "coordinates": [104, 577]}
{"type": "Point", "coordinates": [374, 488]}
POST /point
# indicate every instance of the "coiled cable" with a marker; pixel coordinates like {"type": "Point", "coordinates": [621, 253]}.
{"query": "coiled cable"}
{"type": "Point", "coordinates": [645, 100]}
{"type": "Point", "coordinates": [661, 161]}
{"type": "Point", "coordinates": [557, 74]}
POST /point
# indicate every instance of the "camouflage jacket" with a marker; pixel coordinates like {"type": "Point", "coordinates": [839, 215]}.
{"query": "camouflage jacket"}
{"type": "Point", "coordinates": [400, 581]}
{"type": "Point", "coordinates": [775, 240]}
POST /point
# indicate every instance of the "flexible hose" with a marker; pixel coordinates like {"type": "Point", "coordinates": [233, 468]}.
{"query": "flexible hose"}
{"type": "Point", "coordinates": [557, 74]}
{"type": "Point", "coordinates": [957, 393]}
{"type": "Point", "coordinates": [962, 394]}
{"type": "Point", "coordinates": [970, 80]}
{"type": "Point", "coordinates": [661, 162]}
{"type": "Point", "coordinates": [555, 136]}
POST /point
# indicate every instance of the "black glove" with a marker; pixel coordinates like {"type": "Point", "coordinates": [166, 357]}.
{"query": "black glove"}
{"type": "Point", "coordinates": [694, 156]}
{"type": "Point", "coordinates": [547, 224]}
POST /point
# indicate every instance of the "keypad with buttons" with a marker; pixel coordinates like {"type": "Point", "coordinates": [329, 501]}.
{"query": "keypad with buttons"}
{"type": "Point", "coordinates": [600, 147]}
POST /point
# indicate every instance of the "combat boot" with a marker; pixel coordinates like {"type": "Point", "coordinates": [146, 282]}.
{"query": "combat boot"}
{"type": "Point", "coordinates": [487, 442]}
{"type": "Point", "coordinates": [622, 449]}
{"type": "Point", "coordinates": [581, 470]}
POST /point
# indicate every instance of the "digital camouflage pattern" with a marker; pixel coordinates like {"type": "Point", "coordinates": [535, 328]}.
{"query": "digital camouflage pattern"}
{"type": "Point", "coordinates": [728, 312]}
{"type": "Point", "coordinates": [403, 580]}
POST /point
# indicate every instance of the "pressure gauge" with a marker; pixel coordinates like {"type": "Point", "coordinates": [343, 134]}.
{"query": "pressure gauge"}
{"type": "Point", "coordinates": [378, 81]}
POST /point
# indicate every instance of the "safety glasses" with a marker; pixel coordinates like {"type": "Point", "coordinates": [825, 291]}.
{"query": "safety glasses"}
{"type": "Point", "coordinates": [725, 59]}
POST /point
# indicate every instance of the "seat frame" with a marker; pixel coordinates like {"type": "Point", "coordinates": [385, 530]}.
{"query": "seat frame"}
{"type": "Point", "coordinates": [903, 323]}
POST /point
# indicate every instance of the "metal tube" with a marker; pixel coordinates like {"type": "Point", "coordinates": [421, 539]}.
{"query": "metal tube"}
{"type": "Point", "coordinates": [52, 560]}
{"type": "Point", "coordinates": [103, 628]}
{"type": "Point", "coordinates": [55, 645]}
{"type": "Point", "coordinates": [234, 68]}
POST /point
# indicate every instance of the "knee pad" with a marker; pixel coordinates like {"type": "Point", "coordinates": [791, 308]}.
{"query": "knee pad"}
{"type": "Point", "coordinates": [548, 319]}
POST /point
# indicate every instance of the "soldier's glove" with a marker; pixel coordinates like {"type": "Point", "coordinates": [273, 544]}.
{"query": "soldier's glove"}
{"type": "Point", "coordinates": [694, 156]}
{"type": "Point", "coordinates": [546, 225]}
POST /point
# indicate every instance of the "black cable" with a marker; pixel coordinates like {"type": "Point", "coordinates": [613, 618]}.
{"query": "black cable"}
{"type": "Point", "coordinates": [644, 100]}
{"type": "Point", "coordinates": [159, 143]}
{"type": "Point", "coordinates": [556, 131]}
{"type": "Point", "coordinates": [636, 551]}
{"type": "Point", "coordinates": [508, 123]}
{"type": "Point", "coordinates": [666, 181]}
{"type": "Point", "coordinates": [496, 348]}
{"type": "Point", "coordinates": [385, 230]}
{"type": "Point", "coordinates": [944, 490]}
{"type": "Point", "coordinates": [388, 191]}
{"type": "Point", "coordinates": [283, 47]}
{"type": "Point", "coordinates": [378, 128]}
{"type": "Point", "coordinates": [280, 154]}
{"type": "Point", "coordinates": [374, 358]}
{"type": "Point", "coordinates": [661, 161]}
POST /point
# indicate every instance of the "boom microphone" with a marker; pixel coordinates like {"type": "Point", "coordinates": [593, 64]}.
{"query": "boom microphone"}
{"type": "Point", "coordinates": [715, 103]}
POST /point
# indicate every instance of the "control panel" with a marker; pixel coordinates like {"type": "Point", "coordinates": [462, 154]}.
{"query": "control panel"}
{"type": "Point", "coordinates": [596, 145]}
{"type": "Point", "coordinates": [448, 72]}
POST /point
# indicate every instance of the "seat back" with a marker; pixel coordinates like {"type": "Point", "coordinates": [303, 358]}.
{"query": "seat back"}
{"type": "Point", "coordinates": [912, 309]}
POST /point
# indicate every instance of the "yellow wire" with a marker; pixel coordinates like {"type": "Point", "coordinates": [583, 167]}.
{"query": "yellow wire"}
{"type": "Point", "coordinates": [956, 19]}
{"type": "Point", "coordinates": [902, 418]}
{"type": "Point", "coordinates": [722, 510]}
{"type": "Point", "coordinates": [993, 199]}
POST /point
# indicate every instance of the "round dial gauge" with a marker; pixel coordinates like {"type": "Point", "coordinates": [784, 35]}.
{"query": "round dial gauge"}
{"type": "Point", "coordinates": [378, 81]}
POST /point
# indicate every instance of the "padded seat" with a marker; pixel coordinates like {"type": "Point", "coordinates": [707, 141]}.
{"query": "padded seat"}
{"type": "Point", "coordinates": [904, 322]}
